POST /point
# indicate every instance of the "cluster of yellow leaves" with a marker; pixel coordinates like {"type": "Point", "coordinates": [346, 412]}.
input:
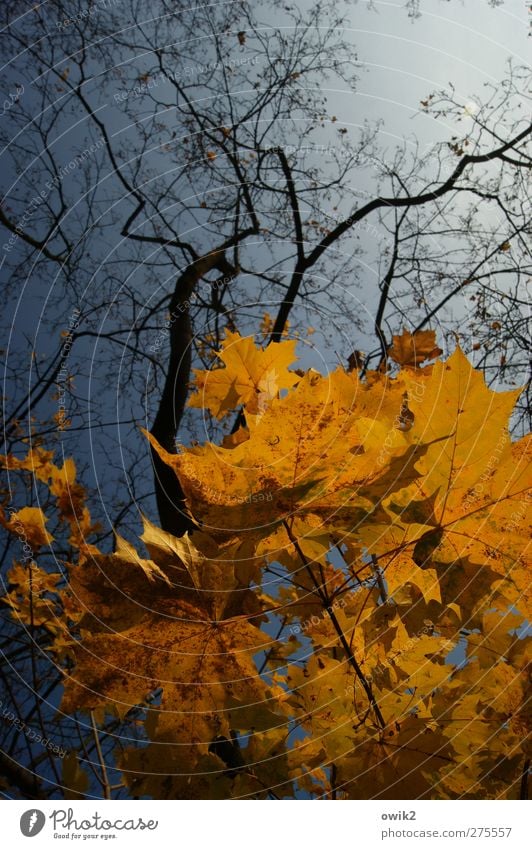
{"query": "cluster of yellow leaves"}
{"type": "Point", "coordinates": [61, 481]}
{"type": "Point", "coordinates": [250, 376]}
{"type": "Point", "coordinates": [183, 618]}
{"type": "Point", "coordinates": [389, 560]}
{"type": "Point", "coordinates": [37, 596]}
{"type": "Point", "coordinates": [182, 621]}
{"type": "Point", "coordinates": [443, 507]}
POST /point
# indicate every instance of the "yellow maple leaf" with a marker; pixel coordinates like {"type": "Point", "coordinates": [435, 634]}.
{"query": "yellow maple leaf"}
{"type": "Point", "coordinates": [474, 485]}
{"type": "Point", "coordinates": [38, 461]}
{"type": "Point", "coordinates": [182, 639]}
{"type": "Point", "coordinates": [250, 376]}
{"type": "Point", "coordinates": [314, 450]}
{"type": "Point", "coordinates": [29, 524]}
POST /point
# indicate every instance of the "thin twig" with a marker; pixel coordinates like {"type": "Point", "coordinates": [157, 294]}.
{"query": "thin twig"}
{"type": "Point", "coordinates": [104, 779]}
{"type": "Point", "coordinates": [338, 628]}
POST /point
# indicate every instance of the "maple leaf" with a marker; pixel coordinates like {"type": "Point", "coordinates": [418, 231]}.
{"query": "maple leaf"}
{"type": "Point", "coordinates": [322, 459]}
{"type": "Point", "coordinates": [266, 325]}
{"type": "Point", "coordinates": [133, 642]}
{"type": "Point", "coordinates": [405, 764]}
{"type": "Point", "coordinates": [186, 639]}
{"type": "Point", "coordinates": [176, 553]}
{"type": "Point", "coordinates": [249, 373]}
{"type": "Point", "coordinates": [38, 461]}
{"type": "Point", "coordinates": [412, 349]}
{"type": "Point", "coordinates": [474, 481]}
{"type": "Point", "coordinates": [29, 524]}
{"type": "Point", "coordinates": [71, 497]}
{"type": "Point", "coordinates": [355, 360]}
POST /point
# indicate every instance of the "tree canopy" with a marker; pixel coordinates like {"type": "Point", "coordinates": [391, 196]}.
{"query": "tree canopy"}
{"type": "Point", "coordinates": [266, 412]}
{"type": "Point", "coordinates": [346, 618]}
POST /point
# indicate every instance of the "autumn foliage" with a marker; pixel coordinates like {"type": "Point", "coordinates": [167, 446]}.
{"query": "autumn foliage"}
{"type": "Point", "coordinates": [348, 619]}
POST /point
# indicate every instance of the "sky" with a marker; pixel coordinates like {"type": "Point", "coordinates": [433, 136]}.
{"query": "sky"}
{"type": "Point", "coordinates": [402, 59]}
{"type": "Point", "coordinates": [465, 43]}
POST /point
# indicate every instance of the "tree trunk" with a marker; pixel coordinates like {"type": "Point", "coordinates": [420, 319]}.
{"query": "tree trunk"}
{"type": "Point", "coordinates": [171, 506]}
